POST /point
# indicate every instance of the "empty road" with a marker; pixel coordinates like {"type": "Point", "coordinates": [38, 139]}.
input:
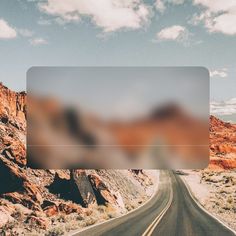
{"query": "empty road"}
{"type": "Point", "coordinates": [171, 212]}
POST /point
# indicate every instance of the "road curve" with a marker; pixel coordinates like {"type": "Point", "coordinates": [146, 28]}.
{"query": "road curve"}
{"type": "Point", "coordinates": [186, 218]}
{"type": "Point", "coordinates": [171, 212]}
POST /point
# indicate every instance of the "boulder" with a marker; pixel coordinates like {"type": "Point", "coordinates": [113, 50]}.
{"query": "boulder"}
{"type": "Point", "coordinates": [101, 191]}
{"type": "Point", "coordinates": [5, 216]}
{"type": "Point", "coordinates": [80, 180]}
{"type": "Point", "coordinates": [17, 187]}
{"type": "Point", "coordinates": [41, 222]}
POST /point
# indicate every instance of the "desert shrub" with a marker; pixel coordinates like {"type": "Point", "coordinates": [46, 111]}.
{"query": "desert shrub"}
{"type": "Point", "coordinates": [56, 231]}
{"type": "Point", "coordinates": [90, 221]}
{"type": "Point", "coordinates": [230, 200]}
{"type": "Point", "coordinates": [71, 226]}
{"type": "Point", "coordinates": [132, 204]}
{"type": "Point", "coordinates": [61, 218]}
{"type": "Point", "coordinates": [101, 208]}
{"type": "Point", "coordinates": [79, 217]}
{"type": "Point", "coordinates": [227, 206]}
{"type": "Point", "coordinates": [112, 215]}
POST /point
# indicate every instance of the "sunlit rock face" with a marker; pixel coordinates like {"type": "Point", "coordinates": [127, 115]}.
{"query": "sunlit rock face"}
{"type": "Point", "coordinates": [222, 144]}
{"type": "Point", "coordinates": [45, 193]}
{"type": "Point", "coordinates": [12, 107]}
{"type": "Point", "coordinates": [40, 193]}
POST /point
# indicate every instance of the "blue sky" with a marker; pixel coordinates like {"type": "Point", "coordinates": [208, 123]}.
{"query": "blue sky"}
{"type": "Point", "coordinates": [119, 33]}
{"type": "Point", "coordinates": [123, 92]}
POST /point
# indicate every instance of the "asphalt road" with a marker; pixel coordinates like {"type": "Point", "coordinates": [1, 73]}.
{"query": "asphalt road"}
{"type": "Point", "coordinates": [171, 212]}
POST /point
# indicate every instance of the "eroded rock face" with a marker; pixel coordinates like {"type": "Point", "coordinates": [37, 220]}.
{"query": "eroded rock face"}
{"type": "Point", "coordinates": [46, 193]}
{"type": "Point", "coordinates": [13, 125]}
{"type": "Point", "coordinates": [222, 144]}
{"type": "Point", "coordinates": [218, 163]}
{"type": "Point", "coordinates": [5, 215]}
{"type": "Point", "coordinates": [12, 107]}
{"type": "Point", "coordinates": [15, 151]}
{"type": "Point", "coordinates": [16, 187]}
{"type": "Point", "coordinates": [80, 178]}
{"type": "Point", "coordinates": [52, 208]}
{"type": "Point", "coordinates": [26, 187]}
{"type": "Point", "coordinates": [82, 188]}
{"type": "Point", "coordinates": [102, 193]}
{"type": "Point", "coordinates": [41, 222]}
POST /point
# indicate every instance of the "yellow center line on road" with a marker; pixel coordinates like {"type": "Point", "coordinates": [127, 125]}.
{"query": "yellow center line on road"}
{"type": "Point", "coordinates": [156, 221]}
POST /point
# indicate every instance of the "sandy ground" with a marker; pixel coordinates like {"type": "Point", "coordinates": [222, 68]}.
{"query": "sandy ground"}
{"type": "Point", "coordinates": [216, 191]}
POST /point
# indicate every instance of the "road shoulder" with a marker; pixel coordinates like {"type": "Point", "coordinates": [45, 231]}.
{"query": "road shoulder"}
{"type": "Point", "coordinates": [206, 195]}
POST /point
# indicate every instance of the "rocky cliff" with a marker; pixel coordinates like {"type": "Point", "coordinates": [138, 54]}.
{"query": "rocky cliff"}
{"type": "Point", "coordinates": [222, 144]}
{"type": "Point", "coordinates": [12, 107]}
{"type": "Point", "coordinates": [33, 201]}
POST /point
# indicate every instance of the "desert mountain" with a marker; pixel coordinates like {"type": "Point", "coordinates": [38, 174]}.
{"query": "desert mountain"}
{"type": "Point", "coordinates": [35, 200]}
{"type": "Point", "coordinates": [222, 144]}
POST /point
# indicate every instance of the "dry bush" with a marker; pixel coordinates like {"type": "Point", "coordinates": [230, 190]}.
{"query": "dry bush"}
{"type": "Point", "coordinates": [56, 231]}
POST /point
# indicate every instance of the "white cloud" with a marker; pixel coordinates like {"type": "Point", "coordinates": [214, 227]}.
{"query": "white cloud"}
{"type": "Point", "coordinates": [38, 41]}
{"type": "Point", "coordinates": [222, 73]}
{"type": "Point", "coordinates": [217, 15]}
{"type": "Point", "coordinates": [25, 33]}
{"type": "Point", "coordinates": [173, 33]}
{"type": "Point", "coordinates": [217, 5]}
{"type": "Point", "coordinates": [224, 107]}
{"type": "Point", "coordinates": [177, 2]}
{"type": "Point", "coordinates": [6, 31]}
{"type": "Point", "coordinates": [44, 22]}
{"type": "Point", "coordinates": [110, 15]}
{"type": "Point", "coordinates": [225, 23]}
{"type": "Point", "coordinates": [161, 5]}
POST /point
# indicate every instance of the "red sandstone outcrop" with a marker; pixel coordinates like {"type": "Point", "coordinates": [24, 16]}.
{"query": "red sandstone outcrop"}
{"type": "Point", "coordinates": [12, 107]}
{"type": "Point", "coordinates": [16, 187]}
{"type": "Point", "coordinates": [42, 194]}
{"type": "Point", "coordinates": [222, 144]}
{"type": "Point", "coordinates": [46, 193]}
{"type": "Point", "coordinates": [102, 193]}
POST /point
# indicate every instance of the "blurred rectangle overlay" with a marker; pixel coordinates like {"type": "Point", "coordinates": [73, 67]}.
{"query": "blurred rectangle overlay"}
{"type": "Point", "coordinates": [118, 117]}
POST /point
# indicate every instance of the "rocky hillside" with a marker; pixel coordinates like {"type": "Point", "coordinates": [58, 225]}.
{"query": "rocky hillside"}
{"type": "Point", "coordinates": [222, 144]}
{"type": "Point", "coordinates": [39, 201]}
{"type": "Point", "coordinates": [12, 107]}
{"type": "Point", "coordinates": [53, 202]}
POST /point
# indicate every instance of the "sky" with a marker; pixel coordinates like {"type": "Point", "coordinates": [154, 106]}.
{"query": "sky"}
{"type": "Point", "coordinates": [122, 92]}
{"type": "Point", "coordinates": [120, 33]}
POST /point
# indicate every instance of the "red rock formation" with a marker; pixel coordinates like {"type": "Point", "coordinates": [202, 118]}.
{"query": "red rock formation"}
{"type": "Point", "coordinates": [18, 184]}
{"type": "Point", "coordinates": [12, 107]}
{"type": "Point", "coordinates": [5, 215]}
{"type": "Point", "coordinates": [222, 144]}
{"type": "Point", "coordinates": [80, 180]}
{"type": "Point", "coordinates": [14, 150]}
{"type": "Point", "coordinates": [43, 193]}
{"type": "Point", "coordinates": [102, 193]}
{"type": "Point", "coordinates": [16, 187]}
{"type": "Point", "coordinates": [41, 222]}
{"type": "Point", "coordinates": [29, 188]}
{"type": "Point", "coordinates": [219, 163]}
